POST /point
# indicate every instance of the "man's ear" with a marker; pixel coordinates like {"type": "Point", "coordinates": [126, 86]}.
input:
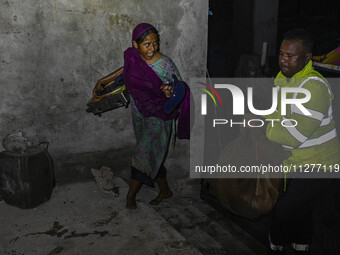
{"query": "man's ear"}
{"type": "Point", "coordinates": [135, 44]}
{"type": "Point", "coordinates": [308, 57]}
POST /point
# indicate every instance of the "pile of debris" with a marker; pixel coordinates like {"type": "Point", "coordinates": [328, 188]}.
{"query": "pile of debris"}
{"type": "Point", "coordinates": [108, 181]}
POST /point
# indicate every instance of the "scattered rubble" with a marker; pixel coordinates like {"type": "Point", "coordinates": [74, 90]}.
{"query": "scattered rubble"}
{"type": "Point", "coordinates": [107, 181]}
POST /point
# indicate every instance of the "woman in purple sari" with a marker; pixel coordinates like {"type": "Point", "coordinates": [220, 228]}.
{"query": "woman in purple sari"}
{"type": "Point", "coordinates": [156, 106]}
{"type": "Point", "coordinates": [146, 74]}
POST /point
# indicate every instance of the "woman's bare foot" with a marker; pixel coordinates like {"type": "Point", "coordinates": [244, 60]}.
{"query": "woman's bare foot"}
{"type": "Point", "coordinates": [160, 197]}
{"type": "Point", "coordinates": [131, 203]}
{"type": "Point", "coordinates": [131, 195]}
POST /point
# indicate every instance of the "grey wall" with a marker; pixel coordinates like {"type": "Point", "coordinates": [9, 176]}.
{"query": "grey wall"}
{"type": "Point", "coordinates": [53, 52]}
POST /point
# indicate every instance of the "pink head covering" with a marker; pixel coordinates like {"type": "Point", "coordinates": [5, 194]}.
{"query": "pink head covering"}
{"type": "Point", "coordinates": [140, 29]}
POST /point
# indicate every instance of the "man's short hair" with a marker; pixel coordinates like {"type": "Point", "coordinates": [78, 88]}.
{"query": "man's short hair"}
{"type": "Point", "coordinates": [303, 35]}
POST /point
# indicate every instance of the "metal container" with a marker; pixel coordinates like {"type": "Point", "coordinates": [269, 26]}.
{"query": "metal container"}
{"type": "Point", "coordinates": [26, 178]}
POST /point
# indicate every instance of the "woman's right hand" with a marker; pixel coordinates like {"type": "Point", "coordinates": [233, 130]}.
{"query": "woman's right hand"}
{"type": "Point", "coordinates": [106, 80]}
{"type": "Point", "coordinates": [98, 86]}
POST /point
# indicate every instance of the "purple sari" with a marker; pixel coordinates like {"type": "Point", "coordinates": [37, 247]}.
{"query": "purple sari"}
{"type": "Point", "coordinates": [144, 86]}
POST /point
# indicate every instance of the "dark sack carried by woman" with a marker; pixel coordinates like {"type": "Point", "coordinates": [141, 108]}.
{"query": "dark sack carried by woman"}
{"type": "Point", "coordinates": [256, 195]}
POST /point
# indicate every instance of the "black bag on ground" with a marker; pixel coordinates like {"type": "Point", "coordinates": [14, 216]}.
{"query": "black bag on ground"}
{"type": "Point", "coordinates": [26, 178]}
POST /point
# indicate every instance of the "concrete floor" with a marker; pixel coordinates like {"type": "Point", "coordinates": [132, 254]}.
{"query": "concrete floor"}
{"type": "Point", "coordinates": [82, 218]}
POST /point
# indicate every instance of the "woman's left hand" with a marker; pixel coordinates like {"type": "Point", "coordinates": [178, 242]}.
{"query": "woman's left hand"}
{"type": "Point", "coordinates": [167, 89]}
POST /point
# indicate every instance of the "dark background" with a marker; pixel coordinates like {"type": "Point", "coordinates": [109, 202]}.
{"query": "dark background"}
{"type": "Point", "coordinates": [231, 31]}
{"type": "Point", "coordinates": [230, 47]}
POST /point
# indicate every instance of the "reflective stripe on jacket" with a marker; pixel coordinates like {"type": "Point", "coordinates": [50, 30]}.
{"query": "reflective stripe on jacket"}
{"type": "Point", "coordinates": [314, 139]}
